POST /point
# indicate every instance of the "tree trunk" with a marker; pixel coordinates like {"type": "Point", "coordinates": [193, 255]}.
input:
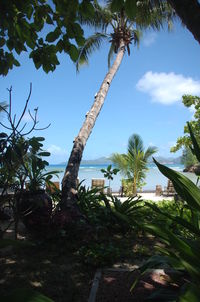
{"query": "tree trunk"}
{"type": "Point", "coordinates": [69, 182]}
{"type": "Point", "coordinates": [189, 13]}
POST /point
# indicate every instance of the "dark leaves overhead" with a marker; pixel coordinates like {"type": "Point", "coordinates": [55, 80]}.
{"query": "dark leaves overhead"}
{"type": "Point", "coordinates": [26, 24]}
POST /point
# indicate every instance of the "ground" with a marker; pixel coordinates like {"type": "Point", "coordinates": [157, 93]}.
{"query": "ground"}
{"type": "Point", "coordinates": [54, 267]}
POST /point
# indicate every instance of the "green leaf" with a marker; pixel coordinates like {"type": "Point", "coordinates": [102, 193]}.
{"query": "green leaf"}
{"type": "Point", "coordinates": [60, 45]}
{"type": "Point", "coordinates": [117, 5]}
{"type": "Point", "coordinates": [29, 12]}
{"type": "Point", "coordinates": [25, 295]}
{"type": "Point", "coordinates": [44, 153]}
{"type": "Point", "coordinates": [191, 294]}
{"type": "Point", "coordinates": [52, 36]}
{"type": "Point", "coordinates": [183, 186]}
{"type": "Point", "coordinates": [16, 63]}
{"type": "Point", "coordinates": [2, 42]}
{"type": "Point", "coordinates": [131, 8]}
{"type": "Point", "coordinates": [40, 138]}
{"type": "Point", "coordinates": [3, 135]}
{"type": "Point", "coordinates": [86, 9]}
{"type": "Point", "coordinates": [49, 20]}
{"type": "Point", "coordinates": [196, 148]}
{"type": "Point", "coordinates": [73, 52]}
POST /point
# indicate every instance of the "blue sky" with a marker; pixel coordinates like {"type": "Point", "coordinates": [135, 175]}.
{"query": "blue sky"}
{"type": "Point", "coordinates": [144, 98]}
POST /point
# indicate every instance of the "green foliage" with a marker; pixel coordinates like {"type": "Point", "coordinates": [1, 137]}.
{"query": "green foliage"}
{"type": "Point", "coordinates": [109, 172]}
{"type": "Point", "coordinates": [180, 251]}
{"type": "Point", "coordinates": [43, 28]}
{"type": "Point", "coordinates": [185, 141]}
{"type": "Point", "coordinates": [133, 165]}
{"type": "Point", "coordinates": [91, 205]}
{"type": "Point", "coordinates": [127, 185]}
{"type": "Point", "coordinates": [25, 295]}
{"type": "Point", "coordinates": [188, 159]}
{"type": "Point", "coordinates": [127, 211]}
{"type": "Point", "coordinates": [21, 159]}
{"type": "Point", "coordinates": [100, 254]}
{"type": "Point", "coordinates": [108, 211]}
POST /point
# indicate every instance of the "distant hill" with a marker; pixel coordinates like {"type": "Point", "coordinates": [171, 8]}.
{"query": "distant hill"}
{"type": "Point", "coordinates": [107, 161]}
{"type": "Point", "coordinates": [167, 160]}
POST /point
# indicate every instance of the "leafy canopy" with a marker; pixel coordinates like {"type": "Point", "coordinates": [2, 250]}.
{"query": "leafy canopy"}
{"type": "Point", "coordinates": [192, 102]}
{"type": "Point", "coordinates": [41, 27]}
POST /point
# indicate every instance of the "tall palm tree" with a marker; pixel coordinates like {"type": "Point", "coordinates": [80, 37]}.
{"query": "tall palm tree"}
{"type": "Point", "coordinates": [133, 165]}
{"type": "Point", "coordinates": [124, 31]}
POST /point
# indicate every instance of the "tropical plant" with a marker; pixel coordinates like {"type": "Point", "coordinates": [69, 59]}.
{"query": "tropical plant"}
{"type": "Point", "coordinates": [108, 173]}
{"type": "Point", "coordinates": [133, 165]}
{"type": "Point", "coordinates": [20, 159]}
{"type": "Point", "coordinates": [25, 295]}
{"type": "Point", "coordinates": [180, 251]}
{"type": "Point", "coordinates": [124, 23]}
{"type": "Point", "coordinates": [90, 204]}
{"type": "Point", "coordinates": [34, 166]}
{"type": "Point", "coordinates": [185, 141]}
{"type": "Point", "coordinates": [126, 212]}
{"type": "Point", "coordinates": [188, 11]}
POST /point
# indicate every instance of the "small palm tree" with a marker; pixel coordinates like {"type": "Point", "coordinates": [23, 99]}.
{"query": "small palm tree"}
{"type": "Point", "coordinates": [120, 30]}
{"type": "Point", "coordinates": [133, 165]}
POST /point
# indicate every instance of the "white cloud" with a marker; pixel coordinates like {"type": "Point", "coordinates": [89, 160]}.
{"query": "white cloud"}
{"type": "Point", "coordinates": [58, 154]}
{"type": "Point", "coordinates": [149, 38]}
{"type": "Point", "coordinates": [56, 150]}
{"type": "Point", "coordinates": [167, 88]}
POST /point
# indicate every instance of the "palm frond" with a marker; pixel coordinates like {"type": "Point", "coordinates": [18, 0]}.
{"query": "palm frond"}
{"type": "Point", "coordinates": [100, 20]}
{"type": "Point", "coordinates": [153, 14]}
{"type": "Point", "coordinates": [120, 160]}
{"type": "Point", "coordinates": [149, 152]}
{"type": "Point", "coordinates": [91, 44]}
{"type": "Point", "coordinates": [111, 54]}
{"type": "Point", "coordinates": [136, 36]}
{"type": "Point", "coordinates": [3, 106]}
{"type": "Point", "coordinates": [135, 144]}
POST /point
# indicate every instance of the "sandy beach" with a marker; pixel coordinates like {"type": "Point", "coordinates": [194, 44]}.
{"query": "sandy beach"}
{"type": "Point", "coordinates": [151, 196]}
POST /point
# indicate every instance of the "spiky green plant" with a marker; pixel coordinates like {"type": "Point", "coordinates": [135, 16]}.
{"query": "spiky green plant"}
{"type": "Point", "coordinates": [133, 165]}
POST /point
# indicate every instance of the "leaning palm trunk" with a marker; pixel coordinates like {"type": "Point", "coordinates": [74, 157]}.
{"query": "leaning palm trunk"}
{"type": "Point", "coordinates": [69, 182]}
{"type": "Point", "coordinates": [189, 13]}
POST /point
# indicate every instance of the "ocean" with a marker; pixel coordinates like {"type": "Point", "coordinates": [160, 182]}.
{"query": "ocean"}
{"type": "Point", "coordinates": [153, 176]}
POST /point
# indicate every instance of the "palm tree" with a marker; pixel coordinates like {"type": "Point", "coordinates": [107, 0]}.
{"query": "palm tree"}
{"type": "Point", "coordinates": [189, 13]}
{"type": "Point", "coordinates": [133, 165]}
{"type": "Point", "coordinates": [125, 30]}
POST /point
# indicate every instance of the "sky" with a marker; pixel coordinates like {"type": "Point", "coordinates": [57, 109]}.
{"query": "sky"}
{"type": "Point", "coordinates": [144, 97]}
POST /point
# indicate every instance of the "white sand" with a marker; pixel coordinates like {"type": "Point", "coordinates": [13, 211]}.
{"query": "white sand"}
{"type": "Point", "coordinates": [151, 196]}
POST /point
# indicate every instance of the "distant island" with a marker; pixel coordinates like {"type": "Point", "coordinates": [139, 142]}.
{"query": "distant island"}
{"type": "Point", "coordinates": [107, 161]}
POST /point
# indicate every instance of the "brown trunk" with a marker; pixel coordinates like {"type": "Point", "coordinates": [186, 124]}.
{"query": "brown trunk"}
{"type": "Point", "coordinates": [189, 13]}
{"type": "Point", "coordinates": [69, 182]}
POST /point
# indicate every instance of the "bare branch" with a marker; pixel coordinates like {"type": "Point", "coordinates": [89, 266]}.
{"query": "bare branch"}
{"type": "Point", "coordinates": [43, 128]}
{"type": "Point", "coordinates": [20, 131]}
{"type": "Point", "coordinates": [5, 126]}
{"type": "Point", "coordinates": [25, 107]}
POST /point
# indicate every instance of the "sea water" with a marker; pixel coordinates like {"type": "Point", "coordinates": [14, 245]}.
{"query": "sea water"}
{"type": "Point", "coordinates": [153, 175]}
